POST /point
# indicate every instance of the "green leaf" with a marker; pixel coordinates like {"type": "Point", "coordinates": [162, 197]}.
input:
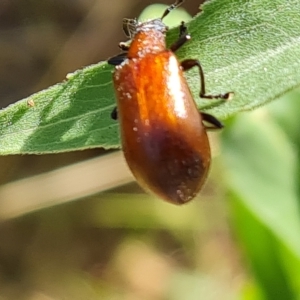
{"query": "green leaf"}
{"type": "Point", "coordinates": [264, 250]}
{"type": "Point", "coordinates": [249, 47]}
{"type": "Point", "coordinates": [261, 166]}
{"type": "Point", "coordinates": [72, 115]}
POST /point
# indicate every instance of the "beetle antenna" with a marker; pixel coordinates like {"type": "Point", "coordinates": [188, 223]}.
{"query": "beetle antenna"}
{"type": "Point", "coordinates": [171, 7]}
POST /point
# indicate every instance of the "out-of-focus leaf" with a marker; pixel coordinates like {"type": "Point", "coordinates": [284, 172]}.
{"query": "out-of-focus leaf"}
{"type": "Point", "coordinates": [261, 175]}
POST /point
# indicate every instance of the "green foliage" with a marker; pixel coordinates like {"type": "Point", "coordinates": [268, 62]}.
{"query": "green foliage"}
{"type": "Point", "coordinates": [249, 47]}
{"type": "Point", "coordinates": [262, 177]}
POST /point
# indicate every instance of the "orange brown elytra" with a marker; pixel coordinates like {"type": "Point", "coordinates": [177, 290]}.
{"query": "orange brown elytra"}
{"type": "Point", "coordinates": [163, 136]}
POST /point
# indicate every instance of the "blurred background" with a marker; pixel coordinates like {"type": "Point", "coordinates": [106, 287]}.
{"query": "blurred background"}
{"type": "Point", "coordinates": [239, 239]}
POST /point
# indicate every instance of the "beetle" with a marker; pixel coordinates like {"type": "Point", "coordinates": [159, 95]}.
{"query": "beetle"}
{"type": "Point", "coordinates": [163, 134]}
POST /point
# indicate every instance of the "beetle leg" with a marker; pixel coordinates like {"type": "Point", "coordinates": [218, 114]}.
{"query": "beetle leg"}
{"type": "Point", "coordinates": [114, 114]}
{"type": "Point", "coordinates": [182, 29]}
{"type": "Point", "coordinates": [190, 63]}
{"type": "Point", "coordinates": [216, 124]}
{"type": "Point", "coordinates": [183, 38]}
{"type": "Point", "coordinates": [118, 59]}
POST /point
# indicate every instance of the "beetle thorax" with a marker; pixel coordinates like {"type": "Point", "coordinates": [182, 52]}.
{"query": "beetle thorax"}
{"type": "Point", "coordinates": [149, 37]}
